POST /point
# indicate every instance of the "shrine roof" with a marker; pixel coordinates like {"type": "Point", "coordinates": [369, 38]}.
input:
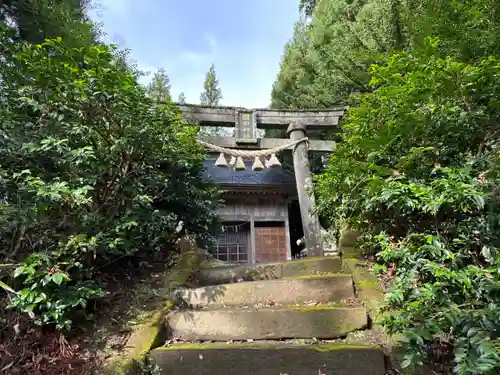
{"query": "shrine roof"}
{"type": "Point", "coordinates": [228, 176]}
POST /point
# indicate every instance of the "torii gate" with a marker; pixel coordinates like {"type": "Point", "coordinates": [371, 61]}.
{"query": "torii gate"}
{"type": "Point", "coordinates": [247, 121]}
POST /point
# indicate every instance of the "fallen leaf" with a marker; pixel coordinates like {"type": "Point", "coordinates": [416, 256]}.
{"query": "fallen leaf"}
{"type": "Point", "coordinates": [7, 367]}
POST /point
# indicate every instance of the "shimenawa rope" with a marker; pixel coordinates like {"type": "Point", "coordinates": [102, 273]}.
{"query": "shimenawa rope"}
{"type": "Point", "coordinates": [254, 153]}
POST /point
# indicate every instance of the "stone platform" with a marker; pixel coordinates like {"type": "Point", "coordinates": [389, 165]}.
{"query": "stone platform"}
{"type": "Point", "coordinates": [319, 288]}
{"type": "Point", "coordinates": [265, 359]}
{"type": "Point", "coordinates": [269, 309]}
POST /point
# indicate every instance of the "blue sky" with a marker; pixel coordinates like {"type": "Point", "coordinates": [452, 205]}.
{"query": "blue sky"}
{"type": "Point", "coordinates": [243, 38]}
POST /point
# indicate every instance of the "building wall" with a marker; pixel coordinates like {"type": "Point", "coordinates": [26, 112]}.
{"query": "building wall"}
{"type": "Point", "coordinates": [271, 244]}
{"type": "Point", "coordinates": [267, 244]}
{"type": "Point", "coordinates": [259, 209]}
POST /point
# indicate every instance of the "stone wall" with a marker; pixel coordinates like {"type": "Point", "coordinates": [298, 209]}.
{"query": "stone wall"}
{"type": "Point", "coordinates": [270, 244]}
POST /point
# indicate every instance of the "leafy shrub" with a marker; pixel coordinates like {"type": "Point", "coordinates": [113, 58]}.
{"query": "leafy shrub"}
{"type": "Point", "coordinates": [418, 171]}
{"type": "Point", "coordinates": [91, 170]}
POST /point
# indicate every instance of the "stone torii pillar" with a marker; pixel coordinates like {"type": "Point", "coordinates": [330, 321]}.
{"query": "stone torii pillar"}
{"type": "Point", "coordinates": [303, 177]}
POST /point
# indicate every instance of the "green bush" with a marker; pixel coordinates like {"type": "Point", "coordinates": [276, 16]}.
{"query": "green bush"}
{"type": "Point", "coordinates": [419, 173]}
{"type": "Point", "coordinates": [91, 170]}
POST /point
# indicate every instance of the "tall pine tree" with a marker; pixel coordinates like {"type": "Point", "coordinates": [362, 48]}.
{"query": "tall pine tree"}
{"type": "Point", "coordinates": [330, 55]}
{"type": "Point", "coordinates": [159, 87]}
{"type": "Point", "coordinates": [212, 94]}
{"type": "Point", "coordinates": [182, 98]}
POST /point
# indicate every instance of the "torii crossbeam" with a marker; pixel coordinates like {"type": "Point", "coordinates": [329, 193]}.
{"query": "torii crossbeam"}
{"type": "Point", "coordinates": [247, 121]}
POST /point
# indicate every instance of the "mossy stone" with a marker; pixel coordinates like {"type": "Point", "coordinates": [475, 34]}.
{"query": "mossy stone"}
{"type": "Point", "coordinates": [272, 360]}
{"type": "Point", "coordinates": [147, 334]}
{"type": "Point", "coordinates": [144, 337]}
{"type": "Point", "coordinates": [348, 237]}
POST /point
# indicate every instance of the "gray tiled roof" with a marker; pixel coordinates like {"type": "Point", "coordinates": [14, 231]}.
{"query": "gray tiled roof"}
{"type": "Point", "coordinates": [268, 176]}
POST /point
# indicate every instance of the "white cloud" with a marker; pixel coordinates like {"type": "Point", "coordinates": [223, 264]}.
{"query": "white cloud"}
{"type": "Point", "coordinates": [212, 42]}
{"type": "Point", "coordinates": [245, 69]}
{"type": "Point", "coordinates": [200, 59]}
{"type": "Point", "coordinates": [193, 58]}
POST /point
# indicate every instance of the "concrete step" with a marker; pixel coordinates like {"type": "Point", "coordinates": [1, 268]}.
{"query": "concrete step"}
{"type": "Point", "coordinates": [265, 359]}
{"type": "Point", "coordinates": [322, 289]}
{"type": "Point", "coordinates": [322, 322]}
{"type": "Point", "coordinates": [267, 271]}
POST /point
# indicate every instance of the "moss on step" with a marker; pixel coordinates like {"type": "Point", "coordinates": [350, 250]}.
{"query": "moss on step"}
{"type": "Point", "coordinates": [182, 271]}
{"type": "Point", "coordinates": [320, 275]}
{"type": "Point", "coordinates": [145, 336]}
{"type": "Point", "coordinates": [266, 346]}
{"type": "Point", "coordinates": [367, 286]}
{"type": "Point", "coordinates": [220, 346]}
{"type": "Point", "coordinates": [333, 347]}
{"type": "Point", "coordinates": [336, 304]}
{"type": "Point", "coordinates": [318, 307]}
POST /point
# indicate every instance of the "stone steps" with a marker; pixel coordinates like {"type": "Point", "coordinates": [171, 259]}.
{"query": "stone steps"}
{"type": "Point", "coordinates": [266, 359]}
{"type": "Point", "coordinates": [267, 271]}
{"type": "Point", "coordinates": [252, 304]}
{"type": "Point", "coordinates": [322, 322]}
{"type": "Point", "coordinates": [320, 289]}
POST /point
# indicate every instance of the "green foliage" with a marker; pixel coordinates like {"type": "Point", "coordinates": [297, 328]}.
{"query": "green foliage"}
{"type": "Point", "coordinates": [159, 87]}
{"type": "Point", "coordinates": [329, 57]}
{"type": "Point", "coordinates": [419, 159]}
{"type": "Point", "coordinates": [418, 171]}
{"type": "Point", "coordinates": [37, 20]}
{"type": "Point", "coordinates": [468, 30]}
{"type": "Point", "coordinates": [307, 6]}
{"type": "Point", "coordinates": [90, 171]}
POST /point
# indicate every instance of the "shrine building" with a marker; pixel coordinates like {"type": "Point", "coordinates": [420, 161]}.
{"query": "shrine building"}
{"type": "Point", "coordinates": [255, 217]}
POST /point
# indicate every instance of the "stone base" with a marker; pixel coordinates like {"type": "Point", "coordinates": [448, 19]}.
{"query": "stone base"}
{"type": "Point", "coordinates": [265, 359]}
{"type": "Point", "coordinates": [267, 271]}
{"type": "Point", "coordinates": [322, 322]}
{"type": "Point", "coordinates": [283, 292]}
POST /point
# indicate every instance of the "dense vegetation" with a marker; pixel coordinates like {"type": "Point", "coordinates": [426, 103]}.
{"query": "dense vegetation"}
{"type": "Point", "coordinates": [95, 179]}
{"type": "Point", "coordinates": [417, 170]}
{"type": "Point", "coordinates": [37, 20]}
{"type": "Point", "coordinates": [91, 171]}
{"type": "Point", "coordinates": [329, 56]}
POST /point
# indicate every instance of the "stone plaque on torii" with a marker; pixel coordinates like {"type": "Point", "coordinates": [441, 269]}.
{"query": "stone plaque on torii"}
{"type": "Point", "coordinates": [247, 121]}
